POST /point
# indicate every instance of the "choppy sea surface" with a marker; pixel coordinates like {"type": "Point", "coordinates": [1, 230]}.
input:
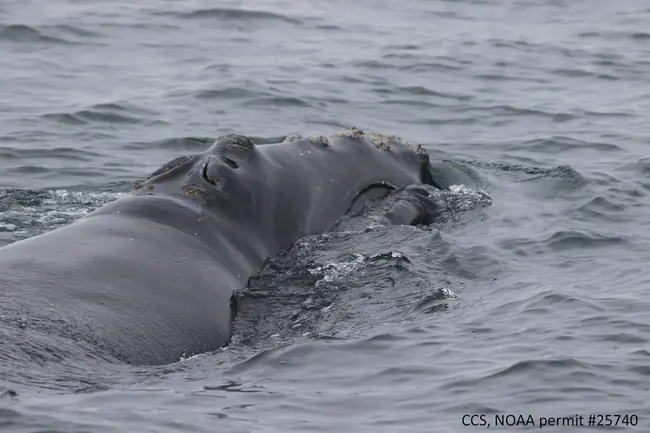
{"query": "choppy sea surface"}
{"type": "Point", "coordinates": [529, 296]}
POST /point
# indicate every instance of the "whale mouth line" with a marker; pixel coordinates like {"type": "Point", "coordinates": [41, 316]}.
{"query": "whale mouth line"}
{"type": "Point", "coordinates": [383, 185]}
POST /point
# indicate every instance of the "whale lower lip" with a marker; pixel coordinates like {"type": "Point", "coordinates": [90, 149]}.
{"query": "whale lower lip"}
{"type": "Point", "coordinates": [370, 192]}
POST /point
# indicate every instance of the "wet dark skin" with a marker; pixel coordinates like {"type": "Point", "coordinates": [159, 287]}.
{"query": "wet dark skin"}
{"type": "Point", "coordinates": [149, 278]}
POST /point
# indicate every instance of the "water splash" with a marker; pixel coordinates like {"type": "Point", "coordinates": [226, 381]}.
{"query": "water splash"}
{"type": "Point", "coordinates": [27, 213]}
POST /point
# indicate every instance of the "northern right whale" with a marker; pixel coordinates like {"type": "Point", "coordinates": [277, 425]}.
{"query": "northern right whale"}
{"type": "Point", "coordinates": [149, 278]}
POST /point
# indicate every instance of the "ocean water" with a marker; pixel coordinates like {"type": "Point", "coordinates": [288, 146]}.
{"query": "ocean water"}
{"type": "Point", "coordinates": [529, 295]}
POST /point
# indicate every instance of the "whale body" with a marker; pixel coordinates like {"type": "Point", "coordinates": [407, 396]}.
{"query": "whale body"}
{"type": "Point", "coordinates": [149, 278]}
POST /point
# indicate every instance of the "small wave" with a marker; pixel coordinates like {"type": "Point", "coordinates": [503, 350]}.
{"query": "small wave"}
{"type": "Point", "coordinates": [625, 337]}
{"type": "Point", "coordinates": [564, 172]}
{"type": "Point", "coordinates": [589, 34]}
{"type": "Point", "coordinates": [105, 112]}
{"type": "Point", "coordinates": [89, 116]}
{"type": "Point", "coordinates": [593, 113]}
{"type": "Point", "coordinates": [59, 153]}
{"type": "Point", "coordinates": [565, 240]}
{"type": "Point", "coordinates": [562, 372]}
{"type": "Point", "coordinates": [503, 76]}
{"type": "Point", "coordinates": [641, 167]}
{"type": "Point", "coordinates": [423, 91]}
{"type": "Point", "coordinates": [639, 36]}
{"type": "Point", "coordinates": [277, 101]}
{"type": "Point", "coordinates": [74, 30]}
{"type": "Point", "coordinates": [502, 113]}
{"type": "Point", "coordinates": [27, 34]}
{"type": "Point", "coordinates": [406, 47]}
{"type": "Point", "coordinates": [515, 43]}
{"type": "Point", "coordinates": [600, 208]}
{"type": "Point", "coordinates": [52, 34]}
{"type": "Point", "coordinates": [122, 107]}
{"type": "Point", "coordinates": [434, 301]}
{"type": "Point", "coordinates": [552, 299]}
{"type": "Point", "coordinates": [227, 93]}
{"type": "Point", "coordinates": [327, 27]}
{"type": "Point", "coordinates": [582, 73]}
{"type": "Point", "coordinates": [29, 169]}
{"type": "Point", "coordinates": [557, 144]}
{"type": "Point", "coordinates": [243, 15]}
{"type": "Point", "coordinates": [374, 64]}
{"type": "Point", "coordinates": [428, 67]}
{"type": "Point", "coordinates": [570, 178]}
{"type": "Point", "coordinates": [67, 118]}
{"type": "Point", "coordinates": [508, 110]}
{"type": "Point", "coordinates": [603, 179]}
{"type": "Point", "coordinates": [535, 366]}
{"type": "Point", "coordinates": [410, 103]}
{"type": "Point", "coordinates": [581, 239]}
{"type": "Point", "coordinates": [643, 36]}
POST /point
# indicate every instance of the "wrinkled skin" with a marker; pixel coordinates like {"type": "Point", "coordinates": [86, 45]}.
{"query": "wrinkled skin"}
{"type": "Point", "coordinates": [149, 278]}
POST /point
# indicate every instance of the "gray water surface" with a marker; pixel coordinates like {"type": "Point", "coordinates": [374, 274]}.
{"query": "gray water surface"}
{"type": "Point", "coordinates": [529, 296]}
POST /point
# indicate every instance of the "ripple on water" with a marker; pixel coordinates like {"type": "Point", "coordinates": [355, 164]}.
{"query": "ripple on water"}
{"type": "Point", "coordinates": [444, 64]}
{"type": "Point", "coordinates": [600, 208]}
{"type": "Point", "coordinates": [584, 73]}
{"type": "Point", "coordinates": [545, 302]}
{"type": "Point", "coordinates": [426, 92]}
{"type": "Point", "coordinates": [60, 153]}
{"type": "Point", "coordinates": [513, 374]}
{"type": "Point", "coordinates": [119, 113]}
{"type": "Point", "coordinates": [629, 35]}
{"type": "Point", "coordinates": [548, 300]}
{"type": "Point", "coordinates": [57, 34]}
{"type": "Point", "coordinates": [640, 166]}
{"type": "Point", "coordinates": [563, 240]}
{"type": "Point", "coordinates": [230, 93]}
{"type": "Point", "coordinates": [277, 101]}
{"type": "Point", "coordinates": [27, 34]}
{"type": "Point", "coordinates": [231, 14]}
{"type": "Point", "coordinates": [558, 144]}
